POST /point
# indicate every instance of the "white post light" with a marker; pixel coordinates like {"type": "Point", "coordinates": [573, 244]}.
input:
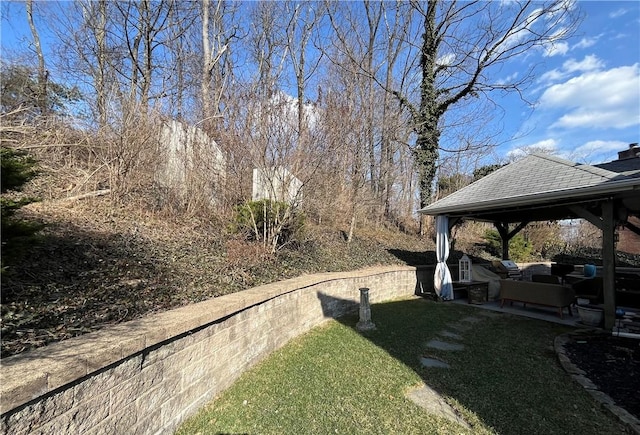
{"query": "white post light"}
{"type": "Point", "coordinates": [464, 269]}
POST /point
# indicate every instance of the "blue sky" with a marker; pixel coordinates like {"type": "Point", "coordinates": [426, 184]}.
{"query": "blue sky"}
{"type": "Point", "coordinates": [587, 90]}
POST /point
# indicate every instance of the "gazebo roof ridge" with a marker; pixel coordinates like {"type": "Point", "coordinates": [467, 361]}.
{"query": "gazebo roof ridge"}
{"type": "Point", "coordinates": [580, 166]}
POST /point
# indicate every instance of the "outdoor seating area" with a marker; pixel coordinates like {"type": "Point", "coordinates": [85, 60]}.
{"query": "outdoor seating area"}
{"type": "Point", "coordinates": [542, 188]}
{"type": "Point", "coordinates": [550, 296]}
{"type": "Point", "coordinates": [539, 293]}
{"type": "Point", "coordinates": [627, 289]}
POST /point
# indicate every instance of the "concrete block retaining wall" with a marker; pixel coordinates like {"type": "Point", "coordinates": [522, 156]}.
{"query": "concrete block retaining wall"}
{"type": "Point", "coordinates": [146, 376]}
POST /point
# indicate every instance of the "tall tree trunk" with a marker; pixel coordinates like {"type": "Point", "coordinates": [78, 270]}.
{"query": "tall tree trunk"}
{"type": "Point", "coordinates": [373, 21]}
{"type": "Point", "coordinates": [148, 29]}
{"type": "Point", "coordinates": [297, 41]}
{"type": "Point", "coordinates": [300, 91]}
{"type": "Point", "coordinates": [216, 40]}
{"type": "Point", "coordinates": [386, 153]}
{"type": "Point", "coordinates": [207, 68]}
{"type": "Point", "coordinates": [43, 74]}
{"type": "Point", "coordinates": [101, 57]}
{"type": "Point", "coordinates": [428, 134]}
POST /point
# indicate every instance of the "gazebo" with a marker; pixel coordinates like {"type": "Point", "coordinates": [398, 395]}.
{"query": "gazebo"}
{"type": "Point", "coordinates": [541, 187]}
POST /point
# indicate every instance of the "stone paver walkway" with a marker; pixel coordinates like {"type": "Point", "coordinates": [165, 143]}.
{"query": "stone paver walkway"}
{"type": "Point", "coordinates": [433, 402]}
{"type": "Point", "coordinates": [443, 345]}
{"type": "Point", "coordinates": [428, 398]}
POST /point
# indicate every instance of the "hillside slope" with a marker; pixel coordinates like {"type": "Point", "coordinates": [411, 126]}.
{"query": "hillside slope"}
{"type": "Point", "coordinates": [97, 263]}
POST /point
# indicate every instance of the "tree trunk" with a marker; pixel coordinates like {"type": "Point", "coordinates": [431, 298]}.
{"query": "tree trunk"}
{"type": "Point", "coordinates": [428, 135]}
{"type": "Point", "coordinates": [43, 74]}
{"type": "Point", "coordinates": [427, 127]}
{"type": "Point", "coordinates": [351, 227]}
{"type": "Point", "coordinates": [148, 29]}
{"type": "Point", "coordinates": [207, 70]}
{"type": "Point", "coordinates": [101, 57]}
{"type": "Point", "coordinates": [373, 20]}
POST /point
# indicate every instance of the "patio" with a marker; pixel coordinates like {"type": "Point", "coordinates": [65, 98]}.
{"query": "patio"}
{"type": "Point", "coordinates": [548, 314]}
{"type": "Point", "coordinates": [541, 312]}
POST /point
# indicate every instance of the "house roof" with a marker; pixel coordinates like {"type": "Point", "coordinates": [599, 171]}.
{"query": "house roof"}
{"type": "Point", "coordinates": [541, 187]}
{"type": "Point", "coordinates": [629, 167]}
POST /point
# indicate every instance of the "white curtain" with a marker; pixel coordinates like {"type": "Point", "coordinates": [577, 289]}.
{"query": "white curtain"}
{"type": "Point", "coordinates": [442, 276]}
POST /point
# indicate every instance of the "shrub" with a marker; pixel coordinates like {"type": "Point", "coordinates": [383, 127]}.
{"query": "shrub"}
{"type": "Point", "coordinates": [275, 223]}
{"type": "Point", "coordinates": [519, 249]}
{"type": "Point", "coordinates": [17, 169]}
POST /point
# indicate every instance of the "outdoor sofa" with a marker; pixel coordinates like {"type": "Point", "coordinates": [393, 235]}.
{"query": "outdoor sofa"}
{"type": "Point", "coordinates": [537, 293]}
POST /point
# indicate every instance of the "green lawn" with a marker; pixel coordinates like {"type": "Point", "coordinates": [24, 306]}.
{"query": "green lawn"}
{"type": "Point", "coordinates": [335, 380]}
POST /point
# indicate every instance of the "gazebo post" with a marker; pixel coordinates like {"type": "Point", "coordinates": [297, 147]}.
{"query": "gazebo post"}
{"type": "Point", "coordinates": [506, 235]}
{"type": "Point", "coordinates": [503, 230]}
{"type": "Point", "coordinates": [608, 264]}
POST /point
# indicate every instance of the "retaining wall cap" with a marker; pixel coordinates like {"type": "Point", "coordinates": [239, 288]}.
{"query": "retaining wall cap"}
{"type": "Point", "coordinates": [30, 374]}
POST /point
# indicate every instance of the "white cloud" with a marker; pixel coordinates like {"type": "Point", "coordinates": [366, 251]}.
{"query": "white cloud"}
{"type": "Point", "coordinates": [597, 99]}
{"type": "Point", "coordinates": [618, 13]}
{"type": "Point", "coordinates": [597, 151]}
{"type": "Point", "coordinates": [446, 60]}
{"type": "Point", "coordinates": [508, 79]}
{"type": "Point", "coordinates": [586, 42]}
{"type": "Point", "coordinates": [589, 63]}
{"type": "Point", "coordinates": [601, 146]}
{"type": "Point", "coordinates": [552, 76]}
{"type": "Point", "coordinates": [547, 146]}
{"type": "Point", "coordinates": [556, 49]}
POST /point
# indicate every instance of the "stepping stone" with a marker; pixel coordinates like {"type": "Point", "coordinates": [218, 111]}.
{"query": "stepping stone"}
{"type": "Point", "coordinates": [433, 362]}
{"type": "Point", "coordinates": [462, 327]}
{"type": "Point", "coordinates": [471, 319]}
{"type": "Point", "coordinates": [432, 402]}
{"type": "Point", "coordinates": [449, 334]}
{"type": "Point", "coordinates": [443, 345]}
{"type": "Point", "coordinates": [490, 314]}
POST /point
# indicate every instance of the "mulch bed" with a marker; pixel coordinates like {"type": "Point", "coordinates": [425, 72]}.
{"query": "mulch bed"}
{"type": "Point", "coordinates": [612, 364]}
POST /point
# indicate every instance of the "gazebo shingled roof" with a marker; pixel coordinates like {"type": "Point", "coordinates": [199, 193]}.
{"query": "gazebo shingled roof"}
{"type": "Point", "coordinates": [542, 187]}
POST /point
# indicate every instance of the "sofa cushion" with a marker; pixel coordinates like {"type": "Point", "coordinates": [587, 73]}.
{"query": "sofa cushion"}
{"type": "Point", "coordinates": [554, 295]}
{"type": "Point", "coordinates": [548, 279]}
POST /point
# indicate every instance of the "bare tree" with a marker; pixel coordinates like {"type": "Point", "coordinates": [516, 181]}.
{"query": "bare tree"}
{"type": "Point", "coordinates": [43, 74]}
{"type": "Point", "coordinates": [302, 21]}
{"type": "Point", "coordinates": [392, 121]}
{"type": "Point", "coordinates": [368, 40]}
{"type": "Point", "coordinates": [217, 35]}
{"type": "Point", "coordinates": [95, 13]}
{"type": "Point", "coordinates": [181, 54]}
{"type": "Point", "coordinates": [462, 44]}
{"type": "Point", "coordinates": [84, 43]}
{"type": "Point", "coordinates": [144, 35]}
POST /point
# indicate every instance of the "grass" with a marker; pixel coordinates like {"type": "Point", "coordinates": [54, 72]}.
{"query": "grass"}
{"type": "Point", "coordinates": [335, 380]}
